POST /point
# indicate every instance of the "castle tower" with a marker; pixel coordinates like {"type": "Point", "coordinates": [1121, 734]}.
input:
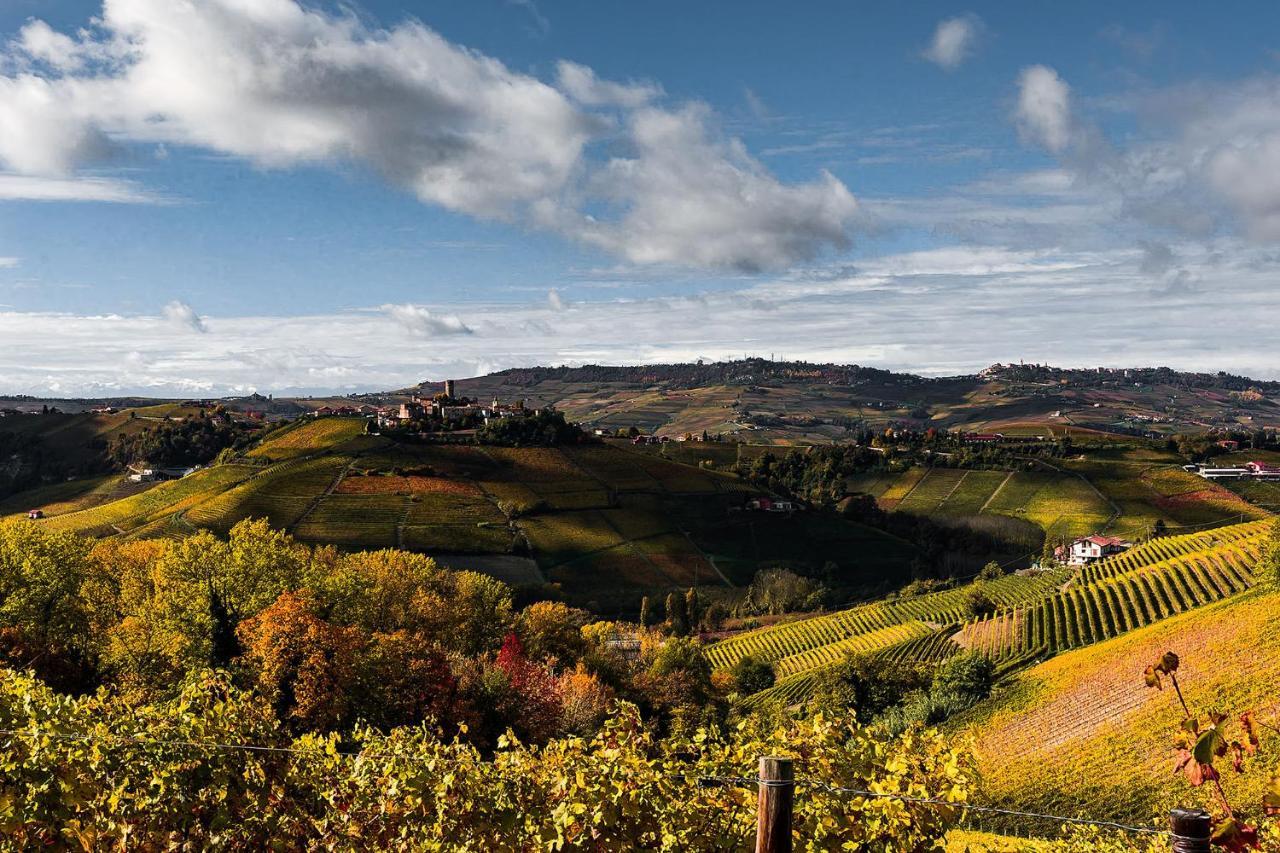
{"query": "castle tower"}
{"type": "Point", "coordinates": [448, 388]}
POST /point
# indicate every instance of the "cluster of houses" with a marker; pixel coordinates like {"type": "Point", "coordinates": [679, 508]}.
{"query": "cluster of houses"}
{"type": "Point", "coordinates": [445, 408]}
{"type": "Point", "coordinates": [996, 438]}
{"type": "Point", "coordinates": [450, 409]}
{"type": "Point", "coordinates": [146, 474]}
{"type": "Point", "coordinates": [1088, 549]}
{"type": "Point", "coordinates": [1247, 471]}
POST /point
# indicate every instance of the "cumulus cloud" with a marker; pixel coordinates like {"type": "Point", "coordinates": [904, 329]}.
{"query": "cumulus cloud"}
{"type": "Point", "coordinates": [953, 41]}
{"type": "Point", "coordinates": [580, 83]}
{"type": "Point", "coordinates": [181, 314]}
{"type": "Point", "coordinates": [555, 300]}
{"type": "Point", "coordinates": [284, 85]}
{"type": "Point", "coordinates": [419, 321]}
{"type": "Point", "coordinates": [1044, 107]}
{"type": "Point", "coordinates": [689, 196]}
{"type": "Point", "coordinates": [1207, 160]}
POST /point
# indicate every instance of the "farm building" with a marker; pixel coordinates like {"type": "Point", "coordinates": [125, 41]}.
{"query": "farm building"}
{"type": "Point", "coordinates": [1087, 549]}
{"type": "Point", "coordinates": [35, 514]}
{"type": "Point", "coordinates": [1247, 471]}
{"type": "Point", "coordinates": [151, 475]}
{"type": "Point", "coordinates": [772, 505]}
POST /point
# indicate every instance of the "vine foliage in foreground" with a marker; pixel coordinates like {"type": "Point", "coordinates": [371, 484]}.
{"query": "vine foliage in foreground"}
{"type": "Point", "coordinates": [97, 773]}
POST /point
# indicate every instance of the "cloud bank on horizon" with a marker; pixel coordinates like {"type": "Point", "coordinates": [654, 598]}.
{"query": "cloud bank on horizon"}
{"type": "Point", "coordinates": [937, 312]}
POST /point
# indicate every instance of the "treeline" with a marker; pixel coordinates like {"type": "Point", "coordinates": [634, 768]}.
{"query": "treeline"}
{"type": "Point", "coordinates": [818, 475]}
{"type": "Point", "coordinates": [330, 639]}
{"type": "Point", "coordinates": [26, 462]}
{"type": "Point", "coordinates": [191, 441]}
{"type": "Point", "coordinates": [693, 375]}
{"type": "Point", "coordinates": [546, 428]}
{"type": "Point", "coordinates": [1096, 377]}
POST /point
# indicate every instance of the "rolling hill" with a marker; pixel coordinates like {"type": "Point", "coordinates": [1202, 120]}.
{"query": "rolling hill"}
{"type": "Point", "coordinates": [603, 522]}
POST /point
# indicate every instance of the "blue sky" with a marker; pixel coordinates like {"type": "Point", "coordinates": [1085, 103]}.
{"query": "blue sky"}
{"type": "Point", "coordinates": [312, 198]}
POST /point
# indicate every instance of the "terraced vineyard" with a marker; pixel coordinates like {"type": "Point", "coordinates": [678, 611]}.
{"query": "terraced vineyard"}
{"type": "Point", "coordinates": [790, 638]}
{"type": "Point", "coordinates": [307, 437]}
{"type": "Point", "coordinates": [1167, 547]}
{"type": "Point", "coordinates": [1036, 616]}
{"type": "Point", "coordinates": [1148, 583]}
{"type": "Point", "coordinates": [145, 507]}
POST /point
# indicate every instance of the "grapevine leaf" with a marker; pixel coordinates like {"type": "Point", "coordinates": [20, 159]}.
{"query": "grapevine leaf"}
{"type": "Point", "coordinates": [1271, 797]}
{"type": "Point", "coordinates": [1237, 756]}
{"type": "Point", "coordinates": [1210, 744]}
{"type": "Point", "coordinates": [1233, 835]}
{"type": "Point", "coordinates": [1152, 678]}
{"type": "Point", "coordinates": [1168, 663]}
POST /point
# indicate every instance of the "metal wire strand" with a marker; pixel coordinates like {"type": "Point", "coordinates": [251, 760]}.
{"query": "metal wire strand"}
{"type": "Point", "coordinates": [702, 780]}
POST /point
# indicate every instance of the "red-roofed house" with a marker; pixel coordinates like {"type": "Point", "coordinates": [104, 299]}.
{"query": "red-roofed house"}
{"type": "Point", "coordinates": [1089, 548]}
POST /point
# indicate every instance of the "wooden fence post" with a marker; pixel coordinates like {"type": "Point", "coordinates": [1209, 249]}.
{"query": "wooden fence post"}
{"type": "Point", "coordinates": [1191, 830]}
{"type": "Point", "coordinates": [773, 818]}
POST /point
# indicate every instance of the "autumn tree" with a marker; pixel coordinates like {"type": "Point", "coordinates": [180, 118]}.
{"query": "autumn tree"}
{"type": "Point", "coordinates": [40, 577]}
{"type": "Point", "coordinates": [305, 666]}
{"type": "Point", "coordinates": [552, 631]}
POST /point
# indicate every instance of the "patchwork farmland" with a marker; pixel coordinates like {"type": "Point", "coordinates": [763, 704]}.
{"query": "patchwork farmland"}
{"type": "Point", "coordinates": [604, 523]}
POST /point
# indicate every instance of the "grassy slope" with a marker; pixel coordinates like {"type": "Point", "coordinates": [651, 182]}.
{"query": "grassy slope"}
{"type": "Point", "coordinates": [1081, 734]}
{"type": "Point", "coordinates": [1081, 499]}
{"type": "Point", "coordinates": [603, 521]}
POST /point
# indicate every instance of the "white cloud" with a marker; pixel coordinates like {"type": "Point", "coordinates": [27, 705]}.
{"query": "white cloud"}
{"type": "Point", "coordinates": [283, 85]}
{"type": "Point", "coordinates": [541, 26]}
{"type": "Point", "coordinates": [690, 197]}
{"type": "Point", "coordinates": [1205, 161]}
{"type": "Point", "coordinates": [1044, 107]}
{"type": "Point", "coordinates": [423, 323]}
{"type": "Point", "coordinates": [8, 262]}
{"type": "Point", "coordinates": [1246, 173]}
{"type": "Point", "coordinates": [580, 83]}
{"type": "Point", "coordinates": [34, 188]}
{"type": "Point", "coordinates": [953, 41]}
{"type": "Point", "coordinates": [183, 315]}
{"type": "Point", "coordinates": [555, 300]}
{"type": "Point", "coordinates": [945, 311]}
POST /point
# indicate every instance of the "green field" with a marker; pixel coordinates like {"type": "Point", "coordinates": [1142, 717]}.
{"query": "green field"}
{"type": "Point", "coordinates": [1115, 494]}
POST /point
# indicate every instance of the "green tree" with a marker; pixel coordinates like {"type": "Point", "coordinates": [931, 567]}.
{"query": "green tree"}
{"type": "Point", "coordinates": [692, 608]}
{"type": "Point", "coordinates": [41, 573]}
{"type": "Point", "coordinates": [677, 618]}
{"type": "Point", "coordinates": [751, 675]}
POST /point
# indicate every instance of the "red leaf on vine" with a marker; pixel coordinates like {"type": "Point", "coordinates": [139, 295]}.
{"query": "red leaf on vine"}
{"type": "Point", "coordinates": [1250, 726]}
{"type": "Point", "coordinates": [1237, 756]}
{"type": "Point", "coordinates": [1233, 835]}
{"type": "Point", "coordinates": [1168, 663]}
